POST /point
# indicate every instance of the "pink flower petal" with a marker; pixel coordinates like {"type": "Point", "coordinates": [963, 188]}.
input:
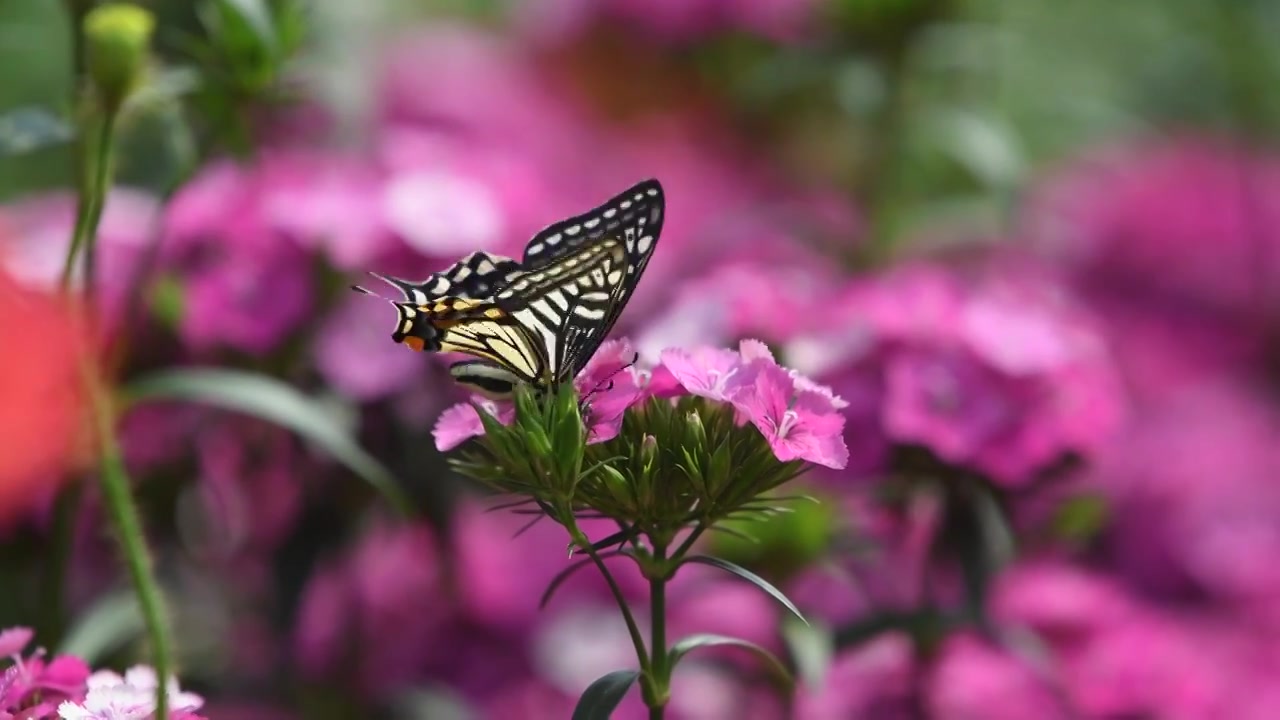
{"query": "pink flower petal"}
{"type": "Point", "coordinates": [13, 640]}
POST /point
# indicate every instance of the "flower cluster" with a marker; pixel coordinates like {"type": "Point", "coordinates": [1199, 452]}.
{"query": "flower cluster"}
{"type": "Point", "coordinates": [798, 418]}
{"type": "Point", "coordinates": [35, 689]}
{"type": "Point", "coordinates": [994, 372]}
{"type": "Point", "coordinates": [713, 428]}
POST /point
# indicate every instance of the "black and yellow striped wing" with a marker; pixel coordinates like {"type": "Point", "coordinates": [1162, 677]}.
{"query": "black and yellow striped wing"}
{"type": "Point", "coordinates": [538, 321]}
{"type": "Point", "coordinates": [580, 273]}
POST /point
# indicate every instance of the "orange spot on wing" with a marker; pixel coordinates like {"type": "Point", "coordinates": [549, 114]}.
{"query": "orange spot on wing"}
{"type": "Point", "coordinates": [414, 343]}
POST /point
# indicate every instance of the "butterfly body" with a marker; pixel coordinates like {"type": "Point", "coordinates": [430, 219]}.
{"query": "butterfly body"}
{"type": "Point", "coordinates": [537, 321]}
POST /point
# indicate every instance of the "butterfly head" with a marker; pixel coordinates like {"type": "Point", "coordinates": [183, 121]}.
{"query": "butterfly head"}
{"type": "Point", "coordinates": [415, 330]}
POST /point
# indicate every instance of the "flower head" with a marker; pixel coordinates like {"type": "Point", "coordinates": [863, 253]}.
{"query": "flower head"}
{"type": "Point", "coordinates": [32, 687]}
{"type": "Point", "coordinates": [799, 424]}
{"type": "Point", "coordinates": [996, 371]}
{"type": "Point", "coordinates": [708, 429]}
{"type": "Point", "coordinates": [129, 697]}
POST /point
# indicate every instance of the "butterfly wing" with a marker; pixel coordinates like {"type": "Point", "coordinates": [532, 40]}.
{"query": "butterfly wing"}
{"type": "Point", "coordinates": [538, 321]}
{"type": "Point", "coordinates": [572, 292]}
{"type": "Point", "coordinates": [640, 207]}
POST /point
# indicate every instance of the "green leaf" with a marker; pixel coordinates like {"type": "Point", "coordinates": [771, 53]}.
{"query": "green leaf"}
{"type": "Point", "coordinates": [28, 129]}
{"type": "Point", "coordinates": [274, 401]}
{"type": "Point", "coordinates": [602, 696]}
{"type": "Point", "coordinates": [811, 649]}
{"type": "Point", "coordinates": [108, 625]}
{"type": "Point", "coordinates": [750, 577]}
{"type": "Point", "coordinates": [253, 15]}
{"type": "Point", "coordinates": [702, 640]}
{"type": "Point", "coordinates": [566, 573]}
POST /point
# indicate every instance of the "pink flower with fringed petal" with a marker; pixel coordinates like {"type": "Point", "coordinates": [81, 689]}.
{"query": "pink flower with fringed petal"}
{"type": "Point", "coordinates": [800, 419]}
{"type": "Point", "coordinates": [609, 384]}
{"type": "Point", "coordinates": [798, 424]}
{"type": "Point", "coordinates": [32, 688]}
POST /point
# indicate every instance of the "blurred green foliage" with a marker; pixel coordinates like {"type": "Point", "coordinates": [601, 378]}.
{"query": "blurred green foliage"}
{"type": "Point", "coordinates": [35, 77]}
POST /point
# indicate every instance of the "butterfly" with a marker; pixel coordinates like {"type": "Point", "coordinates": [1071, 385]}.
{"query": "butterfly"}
{"type": "Point", "coordinates": [537, 320]}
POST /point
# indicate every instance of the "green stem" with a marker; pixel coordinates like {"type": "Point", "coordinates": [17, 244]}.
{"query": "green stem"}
{"type": "Point", "coordinates": [637, 639]}
{"type": "Point", "coordinates": [123, 512]}
{"type": "Point", "coordinates": [688, 542]}
{"type": "Point", "coordinates": [116, 488]}
{"type": "Point", "coordinates": [92, 198]}
{"type": "Point", "coordinates": [659, 672]}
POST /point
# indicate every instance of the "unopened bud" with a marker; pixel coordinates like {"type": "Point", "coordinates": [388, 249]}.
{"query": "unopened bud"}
{"type": "Point", "coordinates": [648, 451]}
{"type": "Point", "coordinates": [117, 39]}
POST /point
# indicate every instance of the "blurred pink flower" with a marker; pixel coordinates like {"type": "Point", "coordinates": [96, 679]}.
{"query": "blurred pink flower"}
{"type": "Point", "coordinates": [14, 640]}
{"type": "Point", "coordinates": [1187, 221]}
{"type": "Point", "coordinates": [672, 20]}
{"type": "Point", "coordinates": [971, 679]}
{"type": "Point", "coordinates": [526, 148]}
{"type": "Point", "coordinates": [889, 575]}
{"type": "Point", "coordinates": [1192, 487]}
{"type": "Point", "coordinates": [131, 697]}
{"type": "Point", "coordinates": [740, 300]}
{"type": "Point", "coordinates": [325, 201]}
{"type": "Point", "coordinates": [375, 617]}
{"type": "Point", "coordinates": [709, 603]}
{"type": "Point", "coordinates": [872, 681]}
{"type": "Point", "coordinates": [1111, 654]}
{"type": "Point", "coordinates": [501, 576]}
{"type": "Point", "coordinates": [353, 354]}
{"type": "Point", "coordinates": [250, 486]}
{"type": "Point", "coordinates": [35, 234]}
{"type": "Point", "coordinates": [32, 688]}
{"type": "Point", "coordinates": [245, 285]}
{"type": "Point", "coordinates": [249, 301]}
{"type": "Point", "coordinates": [994, 369]}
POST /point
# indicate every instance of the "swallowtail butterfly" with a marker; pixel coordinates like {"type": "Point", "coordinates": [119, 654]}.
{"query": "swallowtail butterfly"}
{"type": "Point", "coordinates": [537, 320]}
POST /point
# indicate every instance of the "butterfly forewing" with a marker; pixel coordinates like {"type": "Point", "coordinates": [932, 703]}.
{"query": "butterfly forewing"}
{"type": "Point", "coordinates": [640, 207]}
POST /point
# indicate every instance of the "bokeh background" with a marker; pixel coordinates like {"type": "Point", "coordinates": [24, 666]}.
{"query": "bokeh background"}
{"type": "Point", "coordinates": [1034, 244]}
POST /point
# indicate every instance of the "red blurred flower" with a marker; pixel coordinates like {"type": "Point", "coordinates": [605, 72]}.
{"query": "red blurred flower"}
{"type": "Point", "coordinates": [42, 391]}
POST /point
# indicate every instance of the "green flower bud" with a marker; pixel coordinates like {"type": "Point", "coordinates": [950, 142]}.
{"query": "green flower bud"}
{"type": "Point", "coordinates": [697, 432]}
{"type": "Point", "coordinates": [117, 39]}
{"type": "Point", "coordinates": [648, 452]}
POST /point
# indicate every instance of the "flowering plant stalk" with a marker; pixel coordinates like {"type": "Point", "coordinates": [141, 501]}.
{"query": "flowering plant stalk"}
{"type": "Point", "coordinates": [668, 454]}
{"type": "Point", "coordinates": [116, 37]}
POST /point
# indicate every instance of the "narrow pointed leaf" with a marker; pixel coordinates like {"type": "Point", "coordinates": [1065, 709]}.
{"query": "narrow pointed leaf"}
{"type": "Point", "coordinates": [750, 577]}
{"type": "Point", "coordinates": [811, 648]}
{"type": "Point", "coordinates": [600, 699]}
{"type": "Point", "coordinates": [274, 401]}
{"type": "Point", "coordinates": [702, 640]}
{"type": "Point", "coordinates": [565, 574]}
